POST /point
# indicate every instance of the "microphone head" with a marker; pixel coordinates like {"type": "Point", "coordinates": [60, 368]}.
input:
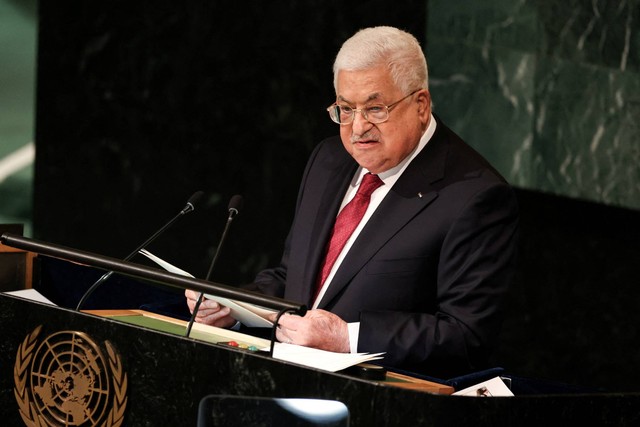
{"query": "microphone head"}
{"type": "Point", "coordinates": [235, 204]}
{"type": "Point", "coordinates": [193, 202]}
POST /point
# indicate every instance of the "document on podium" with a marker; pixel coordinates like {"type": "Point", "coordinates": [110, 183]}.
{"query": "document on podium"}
{"type": "Point", "coordinates": [320, 359]}
{"type": "Point", "coordinates": [494, 387]}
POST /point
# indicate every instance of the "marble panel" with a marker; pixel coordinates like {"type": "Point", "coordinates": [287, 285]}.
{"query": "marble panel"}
{"type": "Point", "coordinates": [587, 132]}
{"type": "Point", "coordinates": [599, 32]}
{"type": "Point", "coordinates": [487, 98]}
{"type": "Point", "coordinates": [546, 91]}
{"type": "Point", "coordinates": [505, 23]}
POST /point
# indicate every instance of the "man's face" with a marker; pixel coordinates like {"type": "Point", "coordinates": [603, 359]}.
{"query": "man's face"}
{"type": "Point", "coordinates": [380, 147]}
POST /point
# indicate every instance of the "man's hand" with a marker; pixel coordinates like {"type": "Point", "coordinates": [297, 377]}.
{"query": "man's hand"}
{"type": "Point", "coordinates": [318, 329]}
{"type": "Point", "coordinates": [209, 312]}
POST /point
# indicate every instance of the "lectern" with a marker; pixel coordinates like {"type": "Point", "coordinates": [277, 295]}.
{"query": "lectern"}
{"type": "Point", "coordinates": [63, 367]}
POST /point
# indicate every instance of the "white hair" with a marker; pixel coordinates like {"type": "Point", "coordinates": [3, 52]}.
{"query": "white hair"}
{"type": "Point", "coordinates": [398, 50]}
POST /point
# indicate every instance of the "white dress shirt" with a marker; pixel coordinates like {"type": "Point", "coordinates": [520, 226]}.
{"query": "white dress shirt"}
{"type": "Point", "coordinates": [389, 178]}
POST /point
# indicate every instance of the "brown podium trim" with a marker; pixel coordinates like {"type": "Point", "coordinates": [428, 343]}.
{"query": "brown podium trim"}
{"type": "Point", "coordinates": [29, 256]}
{"type": "Point", "coordinates": [412, 383]}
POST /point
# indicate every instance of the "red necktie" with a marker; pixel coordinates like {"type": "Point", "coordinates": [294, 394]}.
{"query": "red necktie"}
{"type": "Point", "coordinates": [347, 221]}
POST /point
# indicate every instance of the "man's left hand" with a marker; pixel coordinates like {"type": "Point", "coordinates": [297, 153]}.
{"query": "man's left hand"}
{"type": "Point", "coordinates": [318, 329]}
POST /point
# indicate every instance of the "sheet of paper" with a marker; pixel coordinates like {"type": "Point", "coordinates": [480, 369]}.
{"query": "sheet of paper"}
{"type": "Point", "coordinates": [259, 310]}
{"type": "Point", "coordinates": [30, 294]}
{"type": "Point", "coordinates": [243, 312]}
{"type": "Point", "coordinates": [164, 264]}
{"type": "Point", "coordinates": [248, 314]}
{"type": "Point", "coordinates": [494, 387]}
{"type": "Point", "coordinates": [320, 359]}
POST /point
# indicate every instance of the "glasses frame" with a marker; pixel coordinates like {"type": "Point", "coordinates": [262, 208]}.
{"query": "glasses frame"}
{"type": "Point", "coordinates": [363, 110]}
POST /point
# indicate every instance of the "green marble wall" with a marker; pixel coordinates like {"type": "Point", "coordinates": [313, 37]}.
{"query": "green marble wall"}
{"type": "Point", "coordinates": [548, 91]}
{"type": "Point", "coordinates": [18, 30]}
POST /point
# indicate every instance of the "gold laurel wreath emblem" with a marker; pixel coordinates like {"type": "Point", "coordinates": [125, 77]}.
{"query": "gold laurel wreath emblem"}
{"type": "Point", "coordinates": [28, 410]}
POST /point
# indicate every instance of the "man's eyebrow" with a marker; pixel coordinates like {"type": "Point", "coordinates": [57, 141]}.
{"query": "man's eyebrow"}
{"type": "Point", "coordinates": [371, 97]}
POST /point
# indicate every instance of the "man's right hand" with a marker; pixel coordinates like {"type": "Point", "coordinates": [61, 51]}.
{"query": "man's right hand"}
{"type": "Point", "coordinates": [210, 312]}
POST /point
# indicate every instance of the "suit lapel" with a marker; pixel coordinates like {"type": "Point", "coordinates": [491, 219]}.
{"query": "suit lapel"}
{"type": "Point", "coordinates": [412, 193]}
{"type": "Point", "coordinates": [324, 210]}
{"type": "Point", "coordinates": [392, 214]}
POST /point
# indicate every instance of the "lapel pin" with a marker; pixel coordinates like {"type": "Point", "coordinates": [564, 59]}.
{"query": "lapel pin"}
{"type": "Point", "coordinates": [420, 194]}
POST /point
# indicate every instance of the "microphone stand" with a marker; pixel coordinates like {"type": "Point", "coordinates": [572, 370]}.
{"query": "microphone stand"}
{"type": "Point", "coordinates": [274, 327]}
{"type": "Point", "coordinates": [188, 208]}
{"type": "Point", "coordinates": [234, 206]}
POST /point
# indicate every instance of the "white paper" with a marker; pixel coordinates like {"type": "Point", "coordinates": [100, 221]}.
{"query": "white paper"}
{"type": "Point", "coordinates": [320, 359]}
{"type": "Point", "coordinates": [164, 264]}
{"type": "Point", "coordinates": [244, 312]}
{"type": "Point", "coordinates": [248, 314]}
{"type": "Point", "coordinates": [494, 387]}
{"type": "Point", "coordinates": [30, 294]}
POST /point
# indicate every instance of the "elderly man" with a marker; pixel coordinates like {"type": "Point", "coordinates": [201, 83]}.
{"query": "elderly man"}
{"type": "Point", "coordinates": [404, 237]}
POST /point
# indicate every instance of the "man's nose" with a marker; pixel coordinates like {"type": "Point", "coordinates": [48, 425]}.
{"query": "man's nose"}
{"type": "Point", "coordinates": [360, 124]}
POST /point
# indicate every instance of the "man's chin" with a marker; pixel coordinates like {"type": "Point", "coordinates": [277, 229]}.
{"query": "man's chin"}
{"type": "Point", "coordinates": [374, 167]}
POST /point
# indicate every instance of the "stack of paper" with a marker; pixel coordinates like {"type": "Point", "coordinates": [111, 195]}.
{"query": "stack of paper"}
{"type": "Point", "coordinates": [319, 359]}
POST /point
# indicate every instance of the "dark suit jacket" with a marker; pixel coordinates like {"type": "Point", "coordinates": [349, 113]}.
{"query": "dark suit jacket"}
{"type": "Point", "coordinates": [427, 274]}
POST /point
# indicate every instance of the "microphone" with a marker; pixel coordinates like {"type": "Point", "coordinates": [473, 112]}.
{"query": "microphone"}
{"type": "Point", "coordinates": [235, 204]}
{"type": "Point", "coordinates": [189, 207]}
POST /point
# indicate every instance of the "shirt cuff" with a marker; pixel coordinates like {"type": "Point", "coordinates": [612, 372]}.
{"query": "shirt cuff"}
{"type": "Point", "coordinates": [354, 331]}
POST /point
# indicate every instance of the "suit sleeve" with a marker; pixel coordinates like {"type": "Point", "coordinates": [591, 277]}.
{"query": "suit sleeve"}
{"type": "Point", "coordinates": [272, 281]}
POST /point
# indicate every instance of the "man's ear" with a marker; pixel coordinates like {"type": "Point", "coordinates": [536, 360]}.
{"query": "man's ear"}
{"type": "Point", "coordinates": [424, 104]}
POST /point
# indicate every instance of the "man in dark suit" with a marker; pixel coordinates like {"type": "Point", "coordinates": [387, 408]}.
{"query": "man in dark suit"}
{"type": "Point", "coordinates": [423, 275]}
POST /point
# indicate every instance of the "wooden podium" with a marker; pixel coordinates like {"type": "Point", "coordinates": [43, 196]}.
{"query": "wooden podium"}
{"type": "Point", "coordinates": [63, 367]}
{"type": "Point", "coordinates": [53, 359]}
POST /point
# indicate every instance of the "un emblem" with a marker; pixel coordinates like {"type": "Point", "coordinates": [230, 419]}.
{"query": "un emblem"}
{"type": "Point", "coordinates": [65, 380]}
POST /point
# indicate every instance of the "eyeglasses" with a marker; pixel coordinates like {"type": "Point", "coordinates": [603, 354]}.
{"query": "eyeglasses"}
{"type": "Point", "coordinates": [376, 113]}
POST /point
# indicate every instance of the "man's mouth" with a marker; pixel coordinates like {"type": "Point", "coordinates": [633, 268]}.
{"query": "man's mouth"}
{"type": "Point", "coordinates": [364, 141]}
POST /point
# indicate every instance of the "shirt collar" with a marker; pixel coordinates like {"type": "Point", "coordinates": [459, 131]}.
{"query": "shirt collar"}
{"type": "Point", "coordinates": [389, 177]}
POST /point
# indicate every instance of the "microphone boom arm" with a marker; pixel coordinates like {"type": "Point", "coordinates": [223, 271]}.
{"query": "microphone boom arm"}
{"type": "Point", "coordinates": [108, 274]}
{"type": "Point", "coordinates": [234, 206]}
{"type": "Point", "coordinates": [189, 207]}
